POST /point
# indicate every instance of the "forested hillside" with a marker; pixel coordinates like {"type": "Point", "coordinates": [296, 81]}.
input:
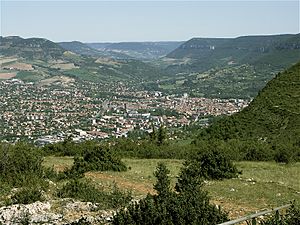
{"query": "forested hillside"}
{"type": "Point", "coordinates": [273, 115]}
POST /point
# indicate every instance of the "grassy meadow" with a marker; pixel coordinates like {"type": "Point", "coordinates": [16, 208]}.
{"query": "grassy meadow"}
{"type": "Point", "coordinates": [261, 185]}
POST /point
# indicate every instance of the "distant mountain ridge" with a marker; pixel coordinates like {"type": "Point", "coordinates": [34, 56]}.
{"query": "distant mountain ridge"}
{"type": "Point", "coordinates": [84, 49]}
{"type": "Point", "coordinates": [78, 47]}
{"type": "Point", "coordinates": [73, 59]}
{"type": "Point", "coordinates": [33, 48]}
{"type": "Point", "coordinates": [205, 67]}
{"type": "Point", "coordinates": [228, 67]}
{"type": "Point", "coordinates": [270, 49]}
{"type": "Point", "coordinates": [139, 50]}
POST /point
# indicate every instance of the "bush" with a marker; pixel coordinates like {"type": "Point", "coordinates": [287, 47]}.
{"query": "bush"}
{"type": "Point", "coordinates": [86, 191]}
{"type": "Point", "coordinates": [285, 154]}
{"type": "Point", "coordinates": [256, 151]}
{"type": "Point", "coordinates": [292, 217]}
{"type": "Point", "coordinates": [210, 164]}
{"type": "Point", "coordinates": [146, 149]}
{"type": "Point", "coordinates": [189, 206]}
{"type": "Point", "coordinates": [21, 167]}
{"type": "Point", "coordinates": [18, 162]}
{"type": "Point", "coordinates": [27, 195]}
{"type": "Point", "coordinates": [65, 148]}
{"type": "Point", "coordinates": [96, 159]}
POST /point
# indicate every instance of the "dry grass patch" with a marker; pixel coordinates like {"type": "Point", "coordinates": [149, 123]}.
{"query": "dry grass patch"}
{"type": "Point", "coordinates": [58, 163]}
{"type": "Point", "coordinates": [262, 185]}
{"type": "Point", "coordinates": [19, 67]}
{"type": "Point", "coordinates": [5, 76]}
{"type": "Point", "coordinates": [108, 61]}
{"type": "Point", "coordinates": [7, 60]}
{"type": "Point", "coordinates": [64, 66]}
{"type": "Point", "coordinates": [56, 79]}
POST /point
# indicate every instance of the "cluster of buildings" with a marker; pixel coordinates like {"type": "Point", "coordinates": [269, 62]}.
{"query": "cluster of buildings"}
{"type": "Point", "coordinates": [89, 111]}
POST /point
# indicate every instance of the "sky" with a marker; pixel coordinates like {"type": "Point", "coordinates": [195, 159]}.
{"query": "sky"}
{"type": "Point", "coordinates": [117, 21]}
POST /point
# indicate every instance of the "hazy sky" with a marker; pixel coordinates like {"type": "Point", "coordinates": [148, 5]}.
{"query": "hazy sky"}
{"type": "Point", "coordinates": [113, 21]}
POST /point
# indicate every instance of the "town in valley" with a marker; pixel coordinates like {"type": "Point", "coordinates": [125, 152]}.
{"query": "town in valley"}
{"type": "Point", "coordinates": [47, 114]}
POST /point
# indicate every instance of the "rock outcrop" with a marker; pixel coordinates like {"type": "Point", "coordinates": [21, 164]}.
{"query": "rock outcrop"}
{"type": "Point", "coordinates": [64, 211]}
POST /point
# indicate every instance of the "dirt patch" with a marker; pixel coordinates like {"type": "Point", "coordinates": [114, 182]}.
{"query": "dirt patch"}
{"type": "Point", "coordinates": [7, 75]}
{"type": "Point", "coordinates": [63, 80]}
{"type": "Point", "coordinates": [19, 66]}
{"type": "Point", "coordinates": [122, 183]}
{"type": "Point", "coordinates": [107, 61]}
{"type": "Point", "coordinates": [60, 168]}
{"type": "Point", "coordinates": [64, 66]}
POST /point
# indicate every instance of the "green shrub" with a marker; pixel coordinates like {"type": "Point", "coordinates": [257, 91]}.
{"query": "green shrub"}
{"type": "Point", "coordinates": [256, 150]}
{"type": "Point", "coordinates": [210, 164]}
{"type": "Point", "coordinates": [19, 161]}
{"type": "Point", "coordinates": [87, 191]}
{"type": "Point", "coordinates": [65, 148]}
{"type": "Point", "coordinates": [190, 206]}
{"type": "Point", "coordinates": [292, 217]}
{"type": "Point", "coordinates": [68, 148]}
{"type": "Point", "coordinates": [27, 195]}
{"type": "Point", "coordinates": [21, 167]}
{"type": "Point", "coordinates": [148, 149]}
{"type": "Point", "coordinates": [81, 190]}
{"type": "Point", "coordinates": [96, 159]}
{"type": "Point", "coordinates": [285, 153]}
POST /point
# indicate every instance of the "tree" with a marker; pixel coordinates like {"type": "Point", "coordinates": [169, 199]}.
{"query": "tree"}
{"type": "Point", "coordinates": [162, 185]}
{"type": "Point", "coordinates": [189, 206]}
{"type": "Point", "coordinates": [161, 136]}
{"type": "Point", "coordinates": [96, 158]}
{"type": "Point", "coordinates": [153, 134]}
{"type": "Point", "coordinates": [210, 164]}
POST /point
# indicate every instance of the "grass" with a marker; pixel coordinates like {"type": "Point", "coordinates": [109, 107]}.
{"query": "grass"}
{"type": "Point", "coordinates": [29, 76]}
{"type": "Point", "coordinates": [138, 178]}
{"type": "Point", "coordinates": [262, 184]}
{"type": "Point", "coordinates": [58, 163]}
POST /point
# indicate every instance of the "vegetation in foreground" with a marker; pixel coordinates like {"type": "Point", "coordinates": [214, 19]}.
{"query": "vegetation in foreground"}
{"type": "Point", "coordinates": [261, 184]}
{"type": "Point", "coordinates": [32, 179]}
{"type": "Point", "coordinates": [189, 205]}
{"type": "Point", "coordinates": [21, 169]}
{"type": "Point", "coordinates": [292, 217]}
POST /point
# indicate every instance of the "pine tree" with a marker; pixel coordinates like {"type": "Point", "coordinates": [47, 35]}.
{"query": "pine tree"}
{"type": "Point", "coordinates": [162, 185]}
{"type": "Point", "coordinates": [161, 136]}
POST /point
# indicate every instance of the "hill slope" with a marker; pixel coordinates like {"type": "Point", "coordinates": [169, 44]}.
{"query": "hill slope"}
{"type": "Point", "coordinates": [47, 59]}
{"type": "Point", "coordinates": [249, 49]}
{"type": "Point", "coordinates": [228, 67]}
{"type": "Point", "coordinates": [274, 115]}
{"type": "Point", "coordinates": [79, 48]}
{"type": "Point", "coordinates": [84, 49]}
{"type": "Point", "coordinates": [31, 48]}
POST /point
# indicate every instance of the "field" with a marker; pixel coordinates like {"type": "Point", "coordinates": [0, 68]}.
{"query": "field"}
{"type": "Point", "coordinates": [262, 185]}
{"type": "Point", "coordinates": [19, 66]}
{"type": "Point", "coordinates": [64, 66]}
{"type": "Point", "coordinates": [7, 75]}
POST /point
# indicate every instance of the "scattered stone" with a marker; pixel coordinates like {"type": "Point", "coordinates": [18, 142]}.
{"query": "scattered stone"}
{"type": "Point", "coordinates": [38, 212]}
{"type": "Point", "coordinates": [59, 212]}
